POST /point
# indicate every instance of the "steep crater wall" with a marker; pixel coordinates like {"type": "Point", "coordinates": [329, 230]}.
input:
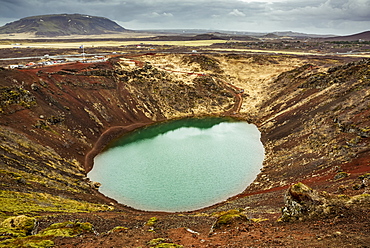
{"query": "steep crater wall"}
{"type": "Point", "coordinates": [313, 114]}
{"type": "Point", "coordinates": [52, 117]}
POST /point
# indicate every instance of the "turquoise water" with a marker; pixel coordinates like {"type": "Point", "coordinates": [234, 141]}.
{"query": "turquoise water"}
{"type": "Point", "coordinates": [180, 166]}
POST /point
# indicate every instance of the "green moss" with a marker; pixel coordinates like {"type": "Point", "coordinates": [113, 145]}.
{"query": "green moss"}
{"type": "Point", "coordinates": [18, 226]}
{"type": "Point", "coordinates": [161, 243]}
{"type": "Point", "coordinates": [32, 241]}
{"type": "Point", "coordinates": [41, 244]}
{"type": "Point", "coordinates": [152, 221]}
{"type": "Point", "coordinates": [58, 232]}
{"type": "Point", "coordinates": [16, 95]}
{"type": "Point", "coordinates": [20, 203]}
{"type": "Point", "coordinates": [258, 220]}
{"type": "Point", "coordinates": [3, 216]}
{"type": "Point", "coordinates": [117, 229]}
{"type": "Point", "coordinates": [300, 188]}
{"type": "Point", "coordinates": [156, 241]}
{"type": "Point", "coordinates": [227, 217]}
{"type": "Point", "coordinates": [67, 229]}
{"type": "Point", "coordinates": [42, 239]}
{"type": "Point", "coordinates": [168, 245]}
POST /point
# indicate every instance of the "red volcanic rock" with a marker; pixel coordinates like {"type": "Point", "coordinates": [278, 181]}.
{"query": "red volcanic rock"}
{"type": "Point", "coordinates": [314, 123]}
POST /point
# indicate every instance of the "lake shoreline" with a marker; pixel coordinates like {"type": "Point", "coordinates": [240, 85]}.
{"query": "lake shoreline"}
{"type": "Point", "coordinates": [105, 138]}
{"type": "Point", "coordinates": [173, 166]}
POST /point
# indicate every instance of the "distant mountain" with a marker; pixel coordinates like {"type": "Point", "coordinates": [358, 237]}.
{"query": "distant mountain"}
{"type": "Point", "coordinates": [187, 37]}
{"type": "Point", "coordinates": [364, 36]}
{"type": "Point", "coordinates": [237, 33]}
{"type": "Point", "coordinates": [271, 36]}
{"type": "Point", "coordinates": [201, 31]}
{"type": "Point", "coordinates": [62, 25]}
{"type": "Point", "coordinates": [299, 35]}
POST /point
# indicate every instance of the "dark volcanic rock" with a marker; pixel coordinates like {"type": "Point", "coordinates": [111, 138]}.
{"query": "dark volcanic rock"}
{"type": "Point", "coordinates": [301, 201]}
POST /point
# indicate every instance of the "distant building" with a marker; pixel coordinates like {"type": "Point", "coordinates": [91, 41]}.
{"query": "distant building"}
{"type": "Point", "coordinates": [30, 64]}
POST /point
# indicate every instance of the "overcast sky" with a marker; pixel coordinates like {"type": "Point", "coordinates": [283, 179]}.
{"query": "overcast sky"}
{"type": "Point", "coordinates": [340, 17]}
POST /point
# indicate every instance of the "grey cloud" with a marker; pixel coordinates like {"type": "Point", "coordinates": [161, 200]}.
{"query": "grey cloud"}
{"type": "Point", "coordinates": [350, 10]}
{"type": "Point", "coordinates": [325, 16]}
{"type": "Point", "coordinates": [236, 12]}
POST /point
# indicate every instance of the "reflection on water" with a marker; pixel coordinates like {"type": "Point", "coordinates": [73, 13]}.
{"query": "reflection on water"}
{"type": "Point", "coordinates": [180, 166]}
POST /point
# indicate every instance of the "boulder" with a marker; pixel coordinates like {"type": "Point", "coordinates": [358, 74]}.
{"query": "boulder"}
{"type": "Point", "coordinates": [301, 202]}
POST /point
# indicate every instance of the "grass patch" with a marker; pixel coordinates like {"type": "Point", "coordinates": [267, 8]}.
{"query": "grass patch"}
{"type": "Point", "coordinates": [21, 203]}
{"type": "Point", "coordinates": [19, 226]}
{"type": "Point", "coordinates": [31, 242]}
{"type": "Point", "coordinates": [67, 229]}
{"type": "Point", "coordinates": [19, 236]}
{"type": "Point", "coordinates": [229, 217]}
{"type": "Point", "coordinates": [152, 221]}
{"type": "Point", "coordinates": [161, 243]}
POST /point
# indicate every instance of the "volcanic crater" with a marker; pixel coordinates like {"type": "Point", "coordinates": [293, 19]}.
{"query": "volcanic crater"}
{"type": "Point", "coordinates": [313, 114]}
